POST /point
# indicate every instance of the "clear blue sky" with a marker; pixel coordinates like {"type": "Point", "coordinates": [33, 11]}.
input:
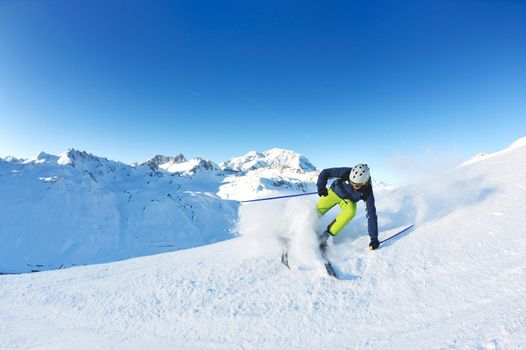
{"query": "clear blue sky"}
{"type": "Point", "coordinates": [392, 83]}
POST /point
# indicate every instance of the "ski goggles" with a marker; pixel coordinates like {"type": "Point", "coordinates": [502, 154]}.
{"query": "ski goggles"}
{"type": "Point", "coordinates": [357, 186]}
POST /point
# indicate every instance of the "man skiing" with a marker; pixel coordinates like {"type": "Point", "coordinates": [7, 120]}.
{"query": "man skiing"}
{"type": "Point", "coordinates": [350, 186]}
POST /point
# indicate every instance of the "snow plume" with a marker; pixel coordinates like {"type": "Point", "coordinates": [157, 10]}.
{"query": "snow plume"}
{"type": "Point", "coordinates": [269, 224]}
{"type": "Point", "coordinates": [427, 164]}
{"type": "Point", "coordinates": [438, 190]}
{"type": "Point", "coordinates": [430, 199]}
{"type": "Point", "coordinates": [422, 202]}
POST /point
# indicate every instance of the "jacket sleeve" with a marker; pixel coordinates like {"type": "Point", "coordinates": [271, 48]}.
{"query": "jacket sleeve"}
{"type": "Point", "coordinates": [372, 219]}
{"type": "Point", "coordinates": [330, 173]}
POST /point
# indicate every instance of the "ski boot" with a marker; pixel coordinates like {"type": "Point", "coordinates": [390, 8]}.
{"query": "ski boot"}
{"type": "Point", "coordinates": [323, 241]}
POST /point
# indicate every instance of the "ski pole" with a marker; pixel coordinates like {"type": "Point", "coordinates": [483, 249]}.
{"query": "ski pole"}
{"type": "Point", "coordinates": [271, 198]}
{"type": "Point", "coordinates": [396, 234]}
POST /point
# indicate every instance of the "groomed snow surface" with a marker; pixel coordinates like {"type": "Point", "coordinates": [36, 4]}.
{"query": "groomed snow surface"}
{"type": "Point", "coordinates": [455, 281]}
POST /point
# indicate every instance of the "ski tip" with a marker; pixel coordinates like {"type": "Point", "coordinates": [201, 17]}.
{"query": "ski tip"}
{"type": "Point", "coordinates": [285, 260]}
{"type": "Point", "coordinates": [330, 270]}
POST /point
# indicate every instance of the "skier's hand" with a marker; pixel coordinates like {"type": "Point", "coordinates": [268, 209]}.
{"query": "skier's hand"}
{"type": "Point", "coordinates": [322, 192]}
{"type": "Point", "coordinates": [374, 244]}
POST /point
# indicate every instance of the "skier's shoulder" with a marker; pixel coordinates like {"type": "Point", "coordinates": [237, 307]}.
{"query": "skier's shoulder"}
{"type": "Point", "coordinates": [336, 172]}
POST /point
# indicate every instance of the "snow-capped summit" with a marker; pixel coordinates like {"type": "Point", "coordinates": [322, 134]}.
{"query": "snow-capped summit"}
{"type": "Point", "coordinates": [92, 166]}
{"type": "Point", "coordinates": [11, 159]}
{"type": "Point", "coordinates": [191, 167]}
{"type": "Point", "coordinates": [179, 164]}
{"type": "Point", "coordinates": [74, 157]}
{"type": "Point", "coordinates": [160, 161]}
{"type": "Point", "coordinates": [41, 158]}
{"type": "Point", "coordinates": [258, 174]}
{"type": "Point", "coordinates": [275, 158]}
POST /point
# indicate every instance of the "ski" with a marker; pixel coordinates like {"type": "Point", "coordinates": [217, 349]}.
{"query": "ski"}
{"type": "Point", "coordinates": [328, 266]}
{"type": "Point", "coordinates": [330, 269]}
{"type": "Point", "coordinates": [285, 258]}
{"type": "Point", "coordinates": [285, 251]}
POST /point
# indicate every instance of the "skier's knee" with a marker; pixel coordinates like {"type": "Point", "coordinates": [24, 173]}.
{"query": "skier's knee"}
{"type": "Point", "coordinates": [330, 228]}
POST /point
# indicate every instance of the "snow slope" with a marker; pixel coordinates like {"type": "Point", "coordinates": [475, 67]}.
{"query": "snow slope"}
{"type": "Point", "coordinates": [457, 281]}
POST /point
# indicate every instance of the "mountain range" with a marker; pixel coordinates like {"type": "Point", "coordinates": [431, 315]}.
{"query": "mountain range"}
{"type": "Point", "coordinates": [77, 208]}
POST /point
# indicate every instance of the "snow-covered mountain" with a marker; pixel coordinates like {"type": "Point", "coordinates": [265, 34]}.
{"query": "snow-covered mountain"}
{"type": "Point", "coordinates": [78, 208]}
{"type": "Point", "coordinates": [456, 281]}
{"type": "Point", "coordinates": [275, 158]}
{"type": "Point", "coordinates": [155, 162]}
{"type": "Point", "coordinates": [254, 175]}
{"type": "Point", "coordinates": [261, 174]}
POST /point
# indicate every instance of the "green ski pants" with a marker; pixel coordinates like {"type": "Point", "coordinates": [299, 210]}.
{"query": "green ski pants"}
{"type": "Point", "coordinates": [344, 217]}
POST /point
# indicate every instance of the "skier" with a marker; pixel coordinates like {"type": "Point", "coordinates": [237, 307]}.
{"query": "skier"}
{"type": "Point", "coordinates": [351, 185]}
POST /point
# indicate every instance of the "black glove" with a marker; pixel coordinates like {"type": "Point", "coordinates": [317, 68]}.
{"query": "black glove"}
{"type": "Point", "coordinates": [322, 192]}
{"type": "Point", "coordinates": [374, 244]}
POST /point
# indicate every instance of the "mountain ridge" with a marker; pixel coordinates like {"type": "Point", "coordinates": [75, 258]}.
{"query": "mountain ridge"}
{"type": "Point", "coordinates": [88, 209]}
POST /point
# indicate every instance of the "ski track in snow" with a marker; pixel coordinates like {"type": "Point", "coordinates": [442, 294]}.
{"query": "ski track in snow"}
{"type": "Point", "coordinates": [455, 281]}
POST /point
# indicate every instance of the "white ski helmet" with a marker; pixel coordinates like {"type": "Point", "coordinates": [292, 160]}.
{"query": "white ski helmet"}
{"type": "Point", "coordinates": [360, 174]}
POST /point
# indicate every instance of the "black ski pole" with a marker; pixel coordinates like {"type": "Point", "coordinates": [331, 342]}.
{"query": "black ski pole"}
{"type": "Point", "coordinates": [396, 234]}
